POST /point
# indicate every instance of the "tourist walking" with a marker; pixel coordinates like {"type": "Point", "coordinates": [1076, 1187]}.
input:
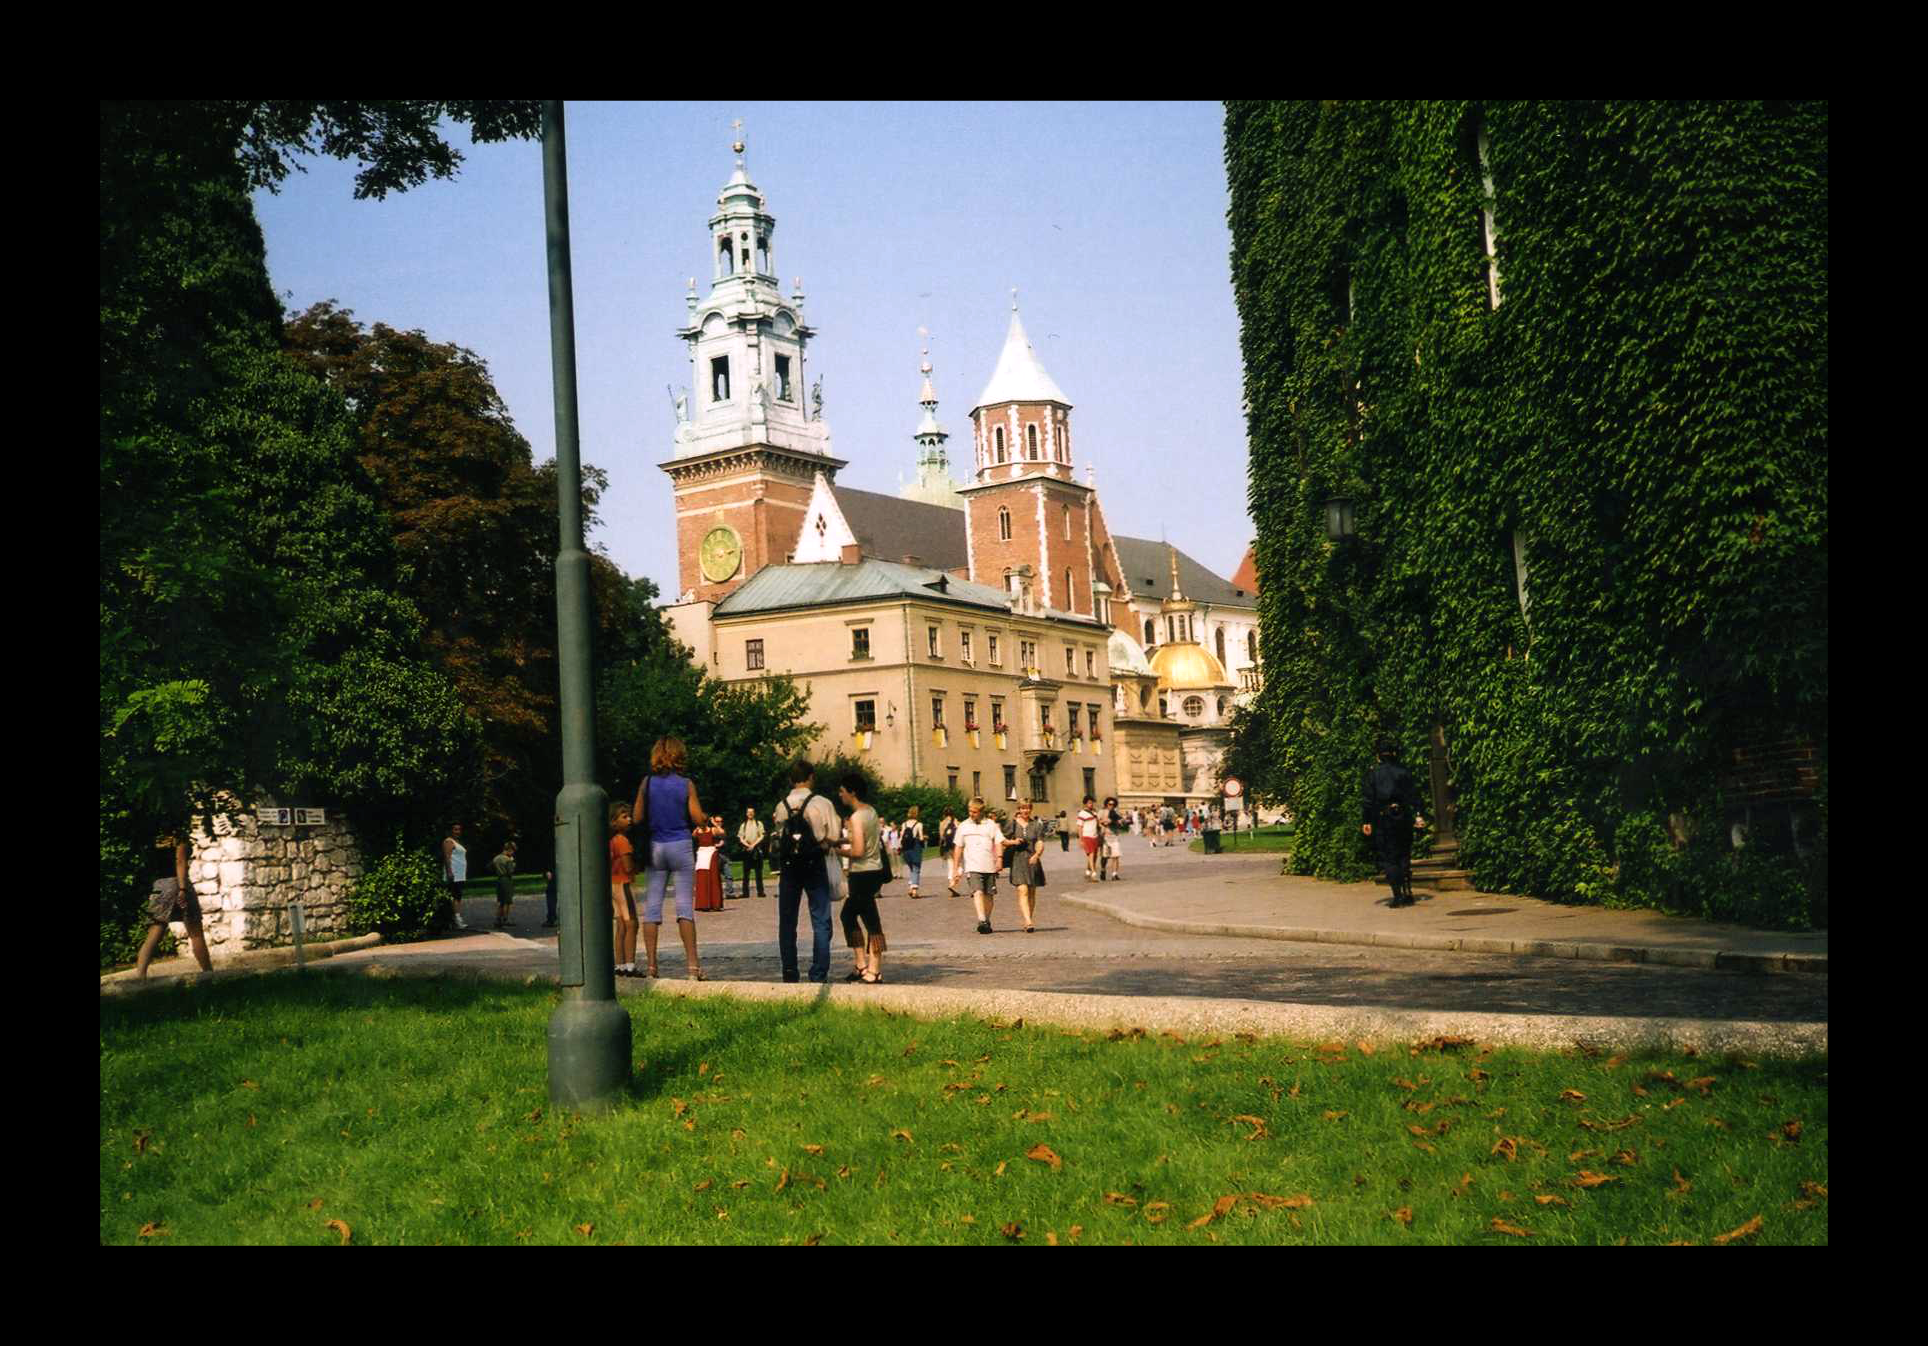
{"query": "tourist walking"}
{"type": "Point", "coordinates": [1113, 843]}
{"type": "Point", "coordinates": [911, 847]}
{"type": "Point", "coordinates": [751, 837]}
{"type": "Point", "coordinates": [622, 899]}
{"type": "Point", "coordinates": [1027, 863]}
{"type": "Point", "coordinates": [170, 894]}
{"type": "Point", "coordinates": [549, 899]}
{"type": "Point", "coordinates": [806, 828]}
{"type": "Point", "coordinates": [1064, 833]}
{"type": "Point", "coordinates": [1390, 807]}
{"type": "Point", "coordinates": [947, 849]}
{"type": "Point", "coordinates": [1088, 837]}
{"type": "Point", "coordinates": [667, 804]}
{"type": "Point", "coordinates": [504, 868]}
{"type": "Point", "coordinates": [455, 870]}
{"type": "Point", "coordinates": [979, 841]}
{"type": "Point", "coordinates": [863, 928]}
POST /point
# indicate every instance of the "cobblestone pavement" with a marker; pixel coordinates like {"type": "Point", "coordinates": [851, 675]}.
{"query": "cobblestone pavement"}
{"type": "Point", "coordinates": [933, 943]}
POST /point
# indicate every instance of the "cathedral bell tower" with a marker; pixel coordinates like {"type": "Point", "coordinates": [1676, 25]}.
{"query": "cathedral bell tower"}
{"type": "Point", "coordinates": [1023, 506]}
{"type": "Point", "coordinates": [750, 435]}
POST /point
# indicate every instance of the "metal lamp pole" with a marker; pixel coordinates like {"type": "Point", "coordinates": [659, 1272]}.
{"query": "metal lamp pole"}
{"type": "Point", "coordinates": [589, 1034]}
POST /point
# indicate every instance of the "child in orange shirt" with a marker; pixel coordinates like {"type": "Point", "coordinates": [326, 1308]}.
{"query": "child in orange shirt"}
{"type": "Point", "coordinates": [622, 901]}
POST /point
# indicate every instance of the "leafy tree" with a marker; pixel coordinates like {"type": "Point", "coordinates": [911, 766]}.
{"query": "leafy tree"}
{"type": "Point", "coordinates": [249, 637]}
{"type": "Point", "coordinates": [742, 737]}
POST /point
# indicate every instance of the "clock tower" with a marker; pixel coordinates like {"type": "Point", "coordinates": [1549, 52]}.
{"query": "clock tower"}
{"type": "Point", "coordinates": [750, 435]}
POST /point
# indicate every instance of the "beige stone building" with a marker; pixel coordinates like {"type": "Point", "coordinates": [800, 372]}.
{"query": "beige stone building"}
{"type": "Point", "coordinates": [981, 636]}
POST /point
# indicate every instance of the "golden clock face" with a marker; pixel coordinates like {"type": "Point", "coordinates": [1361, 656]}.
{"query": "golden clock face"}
{"type": "Point", "coordinates": [721, 554]}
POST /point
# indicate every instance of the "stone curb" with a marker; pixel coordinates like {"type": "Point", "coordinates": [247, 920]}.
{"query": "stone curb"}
{"type": "Point", "coordinates": [1706, 959]}
{"type": "Point", "coordinates": [254, 960]}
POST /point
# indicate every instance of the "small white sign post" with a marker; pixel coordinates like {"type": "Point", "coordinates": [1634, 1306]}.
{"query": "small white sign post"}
{"type": "Point", "coordinates": [1234, 791]}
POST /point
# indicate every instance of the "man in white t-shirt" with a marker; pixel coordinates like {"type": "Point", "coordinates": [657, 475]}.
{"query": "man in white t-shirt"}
{"type": "Point", "coordinates": [980, 842]}
{"type": "Point", "coordinates": [1088, 835]}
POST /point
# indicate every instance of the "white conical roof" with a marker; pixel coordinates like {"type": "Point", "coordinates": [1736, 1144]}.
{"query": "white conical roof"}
{"type": "Point", "coordinates": [1018, 376]}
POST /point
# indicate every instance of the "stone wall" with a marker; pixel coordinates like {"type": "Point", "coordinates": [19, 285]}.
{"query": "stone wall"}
{"type": "Point", "coordinates": [247, 875]}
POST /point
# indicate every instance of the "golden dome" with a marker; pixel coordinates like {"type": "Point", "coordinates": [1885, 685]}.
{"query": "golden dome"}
{"type": "Point", "coordinates": [1183, 666]}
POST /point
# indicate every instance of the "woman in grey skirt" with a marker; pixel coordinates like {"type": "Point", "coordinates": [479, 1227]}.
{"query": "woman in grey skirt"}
{"type": "Point", "coordinates": [1027, 863]}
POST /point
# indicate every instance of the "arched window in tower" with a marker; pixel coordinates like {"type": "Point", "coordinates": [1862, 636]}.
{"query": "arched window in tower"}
{"type": "Point", "coordinates": [1070, 596]}
{"type": "Point", "coordinates": [763, 256]}
{"type": "Point", "coordinates": [1221, 645]}
{"type": "Point", "coordinates": [1252, 647]}
{"type": "Point", "coordinates": [725, 259]}
{"type": "Point", "coordinates": [998, 435]}
{"type": "Point", "coordinates": [720, 379]}
{"type": "Point", "coordinates": [1031, 442]}
{"type": "Point", "coordinates": [1151, 637]}
{"type": "Point", "coordinates": [1067, 523]}
{"type": "Point", "coordinates": [1004, 524]}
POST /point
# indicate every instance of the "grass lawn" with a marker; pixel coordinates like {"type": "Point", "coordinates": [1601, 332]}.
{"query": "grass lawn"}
{"type": "Point", "coordinates": [1266, 839]}
{"type": "Point", "coordinates": [287, 1109]}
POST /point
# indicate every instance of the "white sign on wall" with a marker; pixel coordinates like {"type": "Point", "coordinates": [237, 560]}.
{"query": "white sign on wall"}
{"type": "Point", "coordinates": [291, 817]}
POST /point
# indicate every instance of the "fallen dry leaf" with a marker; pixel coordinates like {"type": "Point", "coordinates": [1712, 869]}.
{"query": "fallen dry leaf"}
{"type": "Point", "coordinates": [901, 1132]}
{"type": "Point", "coordinates": [1508, 1147]}
{"type": "Point", "coordinates": [1465, 1185]}
{"type": "Point", "coordinates": [1051, 1238]}
{"type": "Point", "coordinates": [1335, 1116]}
{"type": "Point", "coordinates": [1422, 1145]}
{"type": "Point", "coordinates": [1815, 1189]}
{"type": "Point", "coordinates": [1365, 1048]}
{"type": "Point", "coordinates": [151, 1230]}
{"type": "Point", "coordinates": [140, 1141]}
{"type": "Point", "coordinates": [1404, 1215]}
{"type": "Point", "coordinates": [1631, 1119]}
{"type": "Point", "coordinates": [1077, 1232]}
{"type": "Point", "coordinates": [1258, 1123]}
{"type": "Point", "coordinates": [1681, 1184]}
{"type": "Point", "coordinates": [1669, 1107]}
{"type": "Point", "coordinates": [1013, 1231]}
{"type": "Point", "coordinates": [1616, 1060]}
{"type": "Point", "coordinates": [813, 1149]}
{"type": "Point", "coordinates": [1119, 1199]}
{"type": "Point", "coordinates": [1044, 1155]}
{"type": "Point", "coordinates": [585, 1229]}
{"type": "Point", "coordinates": [1587, 1178]}
{"type": "Point", "coordinates": [315, 1204]}
{"type": "Point", "coordinates": [813, 1240]}
{"type": "Point", "coordinates": [1747, 1230]}
{"type": "Point", "coordinates": [739, 1184]}
{"type": "Point", "coordinates": [1705, 1084]}
{"type": "Point", "coordinates": [967, 1219]}
{"type": "Point", "coordinates": [703, 1186]}
{"type": "Point", "coordinates": [249, 1084]}
{"type": "Point", "coordinates": [1299, 1202]}
{"type": "Point", "coordinates": [1405, 1084]}
{"type": "Point", "coordinates": [1500, 1226]}
{"type": "Point", "coordinates": [340, 1227]}
{"type": "Point", "coordinates": [1791, 1129]}
{"type": "Point", "coordinates": [1157, 1212]}
{"type": "Point", "coordinates": [1626, 1158]}
{"type": "Point", "coordinates": [1002, 1164]}
{"type": "Point", "coordinates": [783, 1181]}
{"type": "Point", "coordinates": [1220, 1207]}
{"type": "Point", "coordinates": [703, 1068]}
{"type": "Point", "coordinates": [1573, 1096]}
{"type": "Point", "coordinates": [677, 1107]}
{"type": "Point", "coordinates": [1550, 1200]}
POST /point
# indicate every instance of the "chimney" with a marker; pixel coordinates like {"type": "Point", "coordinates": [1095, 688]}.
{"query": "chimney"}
{"type": "Point", "coordinates": [852, 553]}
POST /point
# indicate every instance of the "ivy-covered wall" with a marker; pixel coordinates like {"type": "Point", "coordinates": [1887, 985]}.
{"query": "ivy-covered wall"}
{"type": "Point", "coordinates": [1646, 409]}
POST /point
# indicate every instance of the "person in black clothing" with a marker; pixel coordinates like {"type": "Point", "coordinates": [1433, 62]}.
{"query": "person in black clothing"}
{"type": "Point", "coordinates": [1391, 811]}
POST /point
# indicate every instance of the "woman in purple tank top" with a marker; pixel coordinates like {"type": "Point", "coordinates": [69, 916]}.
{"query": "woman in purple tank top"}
{"type": "Point", "coordinates": [666, 804]}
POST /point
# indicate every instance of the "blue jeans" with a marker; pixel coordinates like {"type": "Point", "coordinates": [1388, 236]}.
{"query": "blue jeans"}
{"type": "Point", "coordinates": [914, 869]}
{"type": "Point", "coordinates": [791, 889]}
{"type": "Point", "coordinates": [667, 858]}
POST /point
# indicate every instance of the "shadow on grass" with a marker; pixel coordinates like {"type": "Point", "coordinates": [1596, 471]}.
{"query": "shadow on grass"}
{"type": "Point", "coordinates": [765, 1018]}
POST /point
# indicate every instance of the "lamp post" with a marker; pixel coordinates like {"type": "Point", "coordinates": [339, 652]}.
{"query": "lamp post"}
{"type": "Point", "coordinates": [589, 1034]}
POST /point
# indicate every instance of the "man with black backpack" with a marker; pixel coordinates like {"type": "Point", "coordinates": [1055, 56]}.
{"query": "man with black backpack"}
{"type": "Point", "coordinates": [806, 827]}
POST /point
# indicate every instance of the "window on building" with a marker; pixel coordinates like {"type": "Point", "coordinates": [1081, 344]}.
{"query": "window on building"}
{"type": "Point", "coordinates": [1091, 663]}
{"type": "Point", "coordinates": [860, 642]}
{"type": "Point", "coordinates": [1194, 707]}
{"type": "Point", "coordinates": [1070, 594]}
{"type": "Point", "coordinates": [1094, 719]}
{"type": "Point", "coordinates": [763, 256]}
{"type": "Point", "coordinates": [1151, 636]}
{"type": "Point", "coordinates": [977, 784]}
{"type": "Point", "coordinates": [1003, 523]}
{"type": "Point", "coordinates": [952, 779]}
{"type": "Point", "coordinates": [1031, 442]}
{"type": "Point", "coordinates": [783, 378]}
{"type": "Point", "coordinates": [720, 379]}
{"type": "Point", "coordinates": [1071, 719]}
{"type": "Point", "coordinates": [998, 435]}
{"type": "Point", "coordinates": [1070, 662]}
{"type": "Point", "coordinates": [1040, 788]}
{"type": "Point", "coordinates": [1027, 654]}
{"type": "Point", "coordinates": [1010, 782]}
{"type": "Point", "coordinates": [990, 645]}
{"type": "Point", "coordinates": [1219, 637]}
{"type": "Point", "coordinates": [964, 646]}
{"type": "Point", "coordinates": [1221, 708]}
{"type": "Point", "coordinates": [753, 654]}
{"type": "Point", "coordinates": [1057, 443]}
{"type": "Point", "coordinates": [1067, 523]}
{"type": "Point", "coordinates": [997, 714]}
{"type": "Point", "coordinates": [866, 717]}
{"type": "Point", "coordinates": [725, 258]}
{"type": "Point", "coordinates": [1164, 708]}
{"type": "Point", "coordinates": [1091, 781]}
{"type": "Point", "coordinates": [936, 641]}
{"type": "Point", "coordinates": [1252, 647]}
{"type": "Point", "coordinates": [970, 712]}
{"type": "Point", "coordinates": [937, 712]}
{"type": "Point", "coordinates": [1044, 716]}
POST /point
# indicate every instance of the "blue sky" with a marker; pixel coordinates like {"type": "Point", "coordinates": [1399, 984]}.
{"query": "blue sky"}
{"type": "Point", "coordinates": [1108, 218]}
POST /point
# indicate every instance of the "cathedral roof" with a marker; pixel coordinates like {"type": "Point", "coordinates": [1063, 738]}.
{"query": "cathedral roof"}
{"type": "Point", "coordinates": [1147, 573]}
{"type": "Point", "coordinates": [782, 587]}
{"type": "Point", "coordinates": [1185, 667]}
{"type": "Point", "coordinates": [892, 527]}
{"type": "Point", "coordinates": [1018, 376]}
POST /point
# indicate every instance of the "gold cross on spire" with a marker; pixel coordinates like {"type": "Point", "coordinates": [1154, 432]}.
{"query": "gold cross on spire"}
{"type": "Point", "coordinates": [737, 125]}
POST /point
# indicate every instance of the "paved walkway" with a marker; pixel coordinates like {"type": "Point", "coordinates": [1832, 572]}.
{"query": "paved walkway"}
{"type": "Point", "coordinates": [1225, 943]}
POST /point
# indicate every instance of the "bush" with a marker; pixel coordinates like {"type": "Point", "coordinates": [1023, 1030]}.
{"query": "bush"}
{"type": "Point", "coordinates": [894, 801]}
{"type": "Point", "coordinates": [402, 896]}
